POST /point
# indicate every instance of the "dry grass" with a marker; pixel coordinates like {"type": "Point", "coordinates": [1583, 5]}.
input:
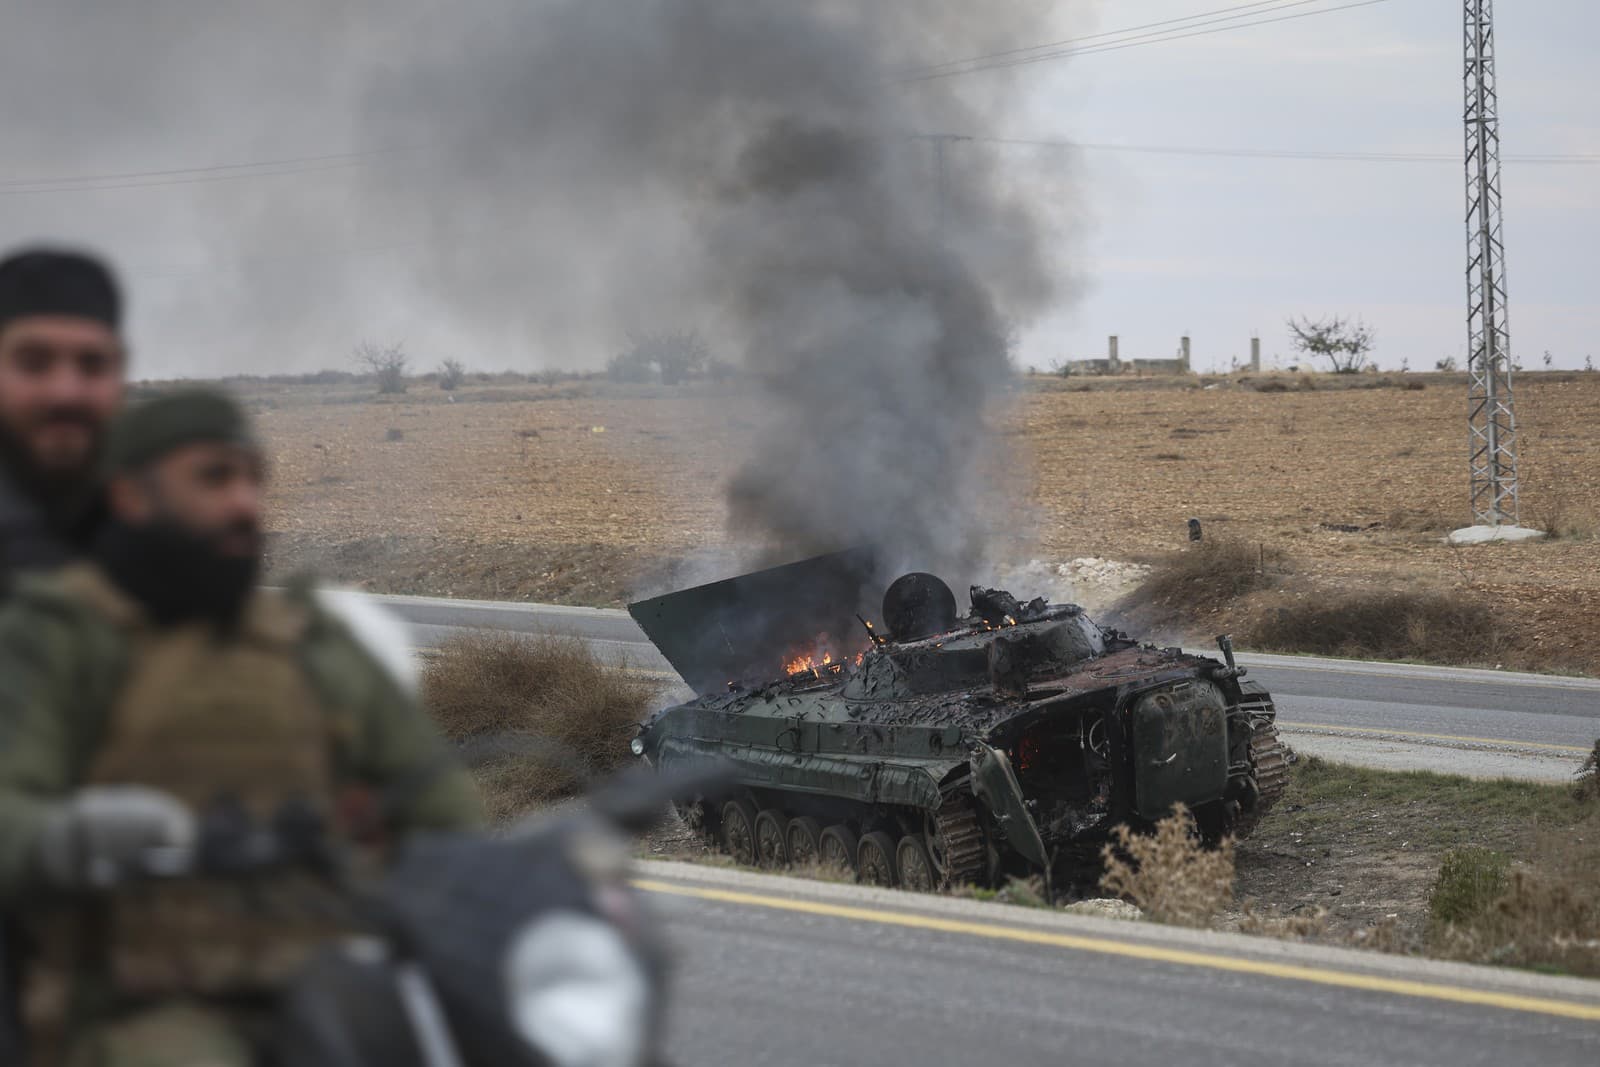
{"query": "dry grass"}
{"type": "Point", "coordinates": [1195, 579]}
{"type": "Point", "coordinates": [1030, 892]}
{"type": "Point", "coordinates": [1419, 520]}
{"type": "Point", "coordinates": [1170, 874]}
{"type": "Point", "coordinates": [1295, 926]}
{"type": "Point", "coordinates": [540, 716]}
{"type": "Point", "coordinates": [1552, 512]}
{"type": "Point", "coordinates": [1384, 935]}
{"type": "Point", "coordinates": [1543, 912]}
{"type": "Point", "coordinates": [1440, 626]}
{"type": "Point", "coordinates": [1252, 589]}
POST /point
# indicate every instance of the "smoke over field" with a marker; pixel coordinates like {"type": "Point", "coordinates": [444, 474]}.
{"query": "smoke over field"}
{"type": "Point", "coordinates": [761, 172]}
{"type": "Point", "coordinates": [522, 184]}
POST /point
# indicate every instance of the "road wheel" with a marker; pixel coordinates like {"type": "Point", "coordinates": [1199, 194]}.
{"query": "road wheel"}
{"type": "Point", "coordinates": [875, 860]}
{"type": "Point", "coordinates": [837, 848]}
{"type": "Point", "coordinates": [772, 848]}
{"type": "Point", "coordinates": [804, 836]}
{"type": "Point", "coordinates": [916, 867]}
{"type": "Point", "coordinates": [739, 831]}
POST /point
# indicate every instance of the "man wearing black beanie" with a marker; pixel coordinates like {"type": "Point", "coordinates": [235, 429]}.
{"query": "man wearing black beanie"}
{"type": "Point", "coordinates": [61, 380]}
{"type": "Point", "coordinates": [61, 373]}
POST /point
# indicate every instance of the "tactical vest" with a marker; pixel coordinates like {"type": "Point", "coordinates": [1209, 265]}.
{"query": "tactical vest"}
{"type": "Point", "coordinates": [204, 717]}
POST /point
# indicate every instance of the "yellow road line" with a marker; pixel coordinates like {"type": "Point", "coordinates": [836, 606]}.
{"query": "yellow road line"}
{"type": "Point", "coordinates": [1378, 731]}
{"type": "Point", "coordinates": [1131, 950]}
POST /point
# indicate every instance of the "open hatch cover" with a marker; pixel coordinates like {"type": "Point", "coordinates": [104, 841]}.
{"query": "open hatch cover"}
{"type": "Point", "coordinates": [743, 629]}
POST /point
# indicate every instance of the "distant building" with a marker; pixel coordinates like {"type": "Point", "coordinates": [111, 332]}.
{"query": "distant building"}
{"type": "Point", "coordinates": [1113, 364]}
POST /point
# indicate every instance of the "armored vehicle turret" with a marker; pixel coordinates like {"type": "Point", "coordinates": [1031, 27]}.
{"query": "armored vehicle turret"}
{"type": "Point", "coordinates": [944, 748]}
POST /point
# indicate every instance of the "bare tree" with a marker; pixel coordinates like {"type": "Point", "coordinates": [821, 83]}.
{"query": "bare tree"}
{"type": "Point", "coordinates": [452, 372]}
{"type": "Point", "coordinates": [1343, 344]}
{"type": "Point", "coordinates": [386, 364]}
{"type": "Point", "coordinates": [673, 356]}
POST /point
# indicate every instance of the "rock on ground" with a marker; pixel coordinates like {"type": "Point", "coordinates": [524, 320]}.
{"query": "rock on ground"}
{"type": "Point", "coordinates": [1478, 535]}
{"type": "Point", "coordinates": [1105, 908]}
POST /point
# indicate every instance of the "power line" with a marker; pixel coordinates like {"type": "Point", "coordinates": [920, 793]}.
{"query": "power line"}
{"type": "Point", "coordinates": [1011, 52]}
{"type": "Point", "coordinates": [1140, 40]}
{"type": "Point", "coordinates": [188, 171]}
{"type": "Point", "coordinates": [341, 161]}
{"type": "Point", "coordinates": [198, 179]}
{"type": "Point", "coordinates": [1282, 153]}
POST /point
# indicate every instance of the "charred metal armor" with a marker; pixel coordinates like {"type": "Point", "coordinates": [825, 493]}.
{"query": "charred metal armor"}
{"type": "Point", "coordinates": [951, 750]}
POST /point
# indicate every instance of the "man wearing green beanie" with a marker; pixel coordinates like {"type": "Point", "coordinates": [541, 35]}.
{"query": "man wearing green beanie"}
{"type": "Point", "coordinates": [139, 689]}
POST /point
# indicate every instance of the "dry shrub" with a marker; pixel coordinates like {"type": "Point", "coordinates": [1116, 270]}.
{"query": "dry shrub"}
{"type": "Point", "coordinates": [1170, 874]}
{"type": "Point", "coordinates": [1296, 926]}
{"type": "Point", "coordinates": [1385, 935]}
{"type": "Point", "coordinates": [538, 715]}
{"type": "Point", "coordinates": [1554, 515]}
{"type": "Point", "coordinates": [1027, 892]}
{"type": "Point", "coordinates": [1194, 581]}
{"type": "Point", "coordinates": [1546, 913]}
{"type": "Point", "coordinates": [815, 870]}
{"type": "Point", "coordinates": [1437, 626]}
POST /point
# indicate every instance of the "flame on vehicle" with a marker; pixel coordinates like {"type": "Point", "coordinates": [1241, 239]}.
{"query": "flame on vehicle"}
{"type": "Point", "coordinates": [819, 660]}
{"type": "Point", "coordinates": [802, 664]}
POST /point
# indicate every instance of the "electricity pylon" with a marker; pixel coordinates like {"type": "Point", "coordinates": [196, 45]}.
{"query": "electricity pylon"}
{"type": "Point", "coordinates": [1493, 434]}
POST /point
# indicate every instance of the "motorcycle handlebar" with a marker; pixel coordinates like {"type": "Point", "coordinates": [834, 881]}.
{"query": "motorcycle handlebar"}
{"type": "Point", "coordinates": [229, 844]}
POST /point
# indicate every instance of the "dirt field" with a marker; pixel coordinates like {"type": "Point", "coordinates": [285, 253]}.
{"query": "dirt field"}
{"type": "Point", "coordinates": [587, 492]}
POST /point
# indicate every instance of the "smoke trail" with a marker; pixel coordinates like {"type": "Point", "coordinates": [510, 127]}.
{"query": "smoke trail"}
{"type": "Point", "coordinates": [754, 169]}
{"type": "Point", "coordinates": [553, 174]}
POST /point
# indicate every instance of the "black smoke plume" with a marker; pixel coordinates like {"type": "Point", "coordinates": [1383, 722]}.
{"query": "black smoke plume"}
{"type": "Point", "coordinates": [761, 169]}
{"type": "Point", "coordinates": [532, 180]}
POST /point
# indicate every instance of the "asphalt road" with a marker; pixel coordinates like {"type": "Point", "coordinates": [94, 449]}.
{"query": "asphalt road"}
{"type": "Point", "coordinates": [1381, 714]}
{"type": "Point", "coordinates": [781, 972]}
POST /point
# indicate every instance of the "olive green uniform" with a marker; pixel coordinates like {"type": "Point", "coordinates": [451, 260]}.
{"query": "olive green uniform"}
{"type": "Point", "coordinates": [287, 706]}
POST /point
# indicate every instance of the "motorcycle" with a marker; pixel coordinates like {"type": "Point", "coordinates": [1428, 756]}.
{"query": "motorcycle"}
{"type": "Point", "coordinates": [528, 949]}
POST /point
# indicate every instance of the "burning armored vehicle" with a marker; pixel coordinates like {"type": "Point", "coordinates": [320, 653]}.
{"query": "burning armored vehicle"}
{"type": "Point", "coordinates": [947, 749]}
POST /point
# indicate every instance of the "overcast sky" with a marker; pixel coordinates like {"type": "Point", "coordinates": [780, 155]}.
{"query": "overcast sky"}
{"type": "Point", "coordinates": [1223, 247]}
{"type": "Point", "coordinates": [1162, 244]}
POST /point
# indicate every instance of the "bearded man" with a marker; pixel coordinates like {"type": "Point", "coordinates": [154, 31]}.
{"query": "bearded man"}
{"type": "Point", "coordinates": [62, 363]}
{"type": "Point", "coordinates": [154, 683]}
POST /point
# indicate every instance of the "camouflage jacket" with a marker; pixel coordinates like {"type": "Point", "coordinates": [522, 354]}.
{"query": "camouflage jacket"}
{"type": "Point", "coordinates": [62, 664]}
{"type": "Point", "coordinates": [28, 540]}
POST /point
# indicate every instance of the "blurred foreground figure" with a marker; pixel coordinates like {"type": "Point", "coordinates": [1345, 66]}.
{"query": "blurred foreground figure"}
{"type": "Point", "coordinates": [62, 366]}
{"type": "Point", "coordinates": [61, 377]}
{"type": "Point", "coordinates": [147, 689]}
